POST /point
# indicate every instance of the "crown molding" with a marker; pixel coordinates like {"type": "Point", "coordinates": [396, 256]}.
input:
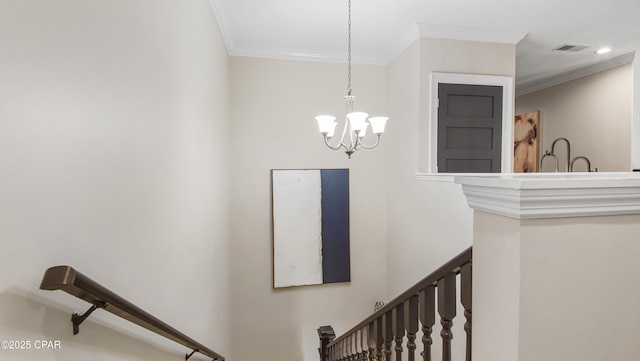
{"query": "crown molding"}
{"type": "Point", "coordinates": [423, 30]}
{"type": "Point", "coordinates": [552, 195]}
{"type": "Point", "coordinates": [284, 54]}
{"type": "Point", "coordinates": [523, 88]}
{"type": "Point", "coordinates": [470, 34]}
{"type": "Point", "coordinates": [222, 25]}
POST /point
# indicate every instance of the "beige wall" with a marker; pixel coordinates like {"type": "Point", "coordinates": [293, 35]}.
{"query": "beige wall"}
{"type": "Point", "coordinates": [593, 112]}
{"type": "Point", "coordinates": [429, 221]}
{"type": "Point", "coordinates": [455, 56]}
{"type": "Point", "coordinates": [113, 152]}
{"type": "Point", "coordinates": [274, 103]}
{"type": "Point", "coordinates": [582, 273]}
{"type": "Point", "coordinates": [549, 288]}
{"type": "Point", "coordinates": [496, 287]}
{"type": "Point", "coordinates": [119, 158]}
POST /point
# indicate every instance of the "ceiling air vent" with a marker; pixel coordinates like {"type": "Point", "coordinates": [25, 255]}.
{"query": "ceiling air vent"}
{"type": "Point", "coordinates": [567, 47]}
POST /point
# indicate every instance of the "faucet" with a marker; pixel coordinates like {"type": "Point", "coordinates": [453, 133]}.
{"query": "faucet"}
{"type": "Point", "coordinates": [547, 153]}
{"type": "Point", "coordinates": [583, 158]}
{"type": "Point", "coordinates": [553, 146]}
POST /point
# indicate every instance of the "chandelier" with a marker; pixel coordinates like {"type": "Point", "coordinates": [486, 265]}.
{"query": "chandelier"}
{"type": "Point", "coordinates": [356, 123]}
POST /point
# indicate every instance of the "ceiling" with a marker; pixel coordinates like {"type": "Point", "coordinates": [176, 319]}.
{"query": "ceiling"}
{"type": "Point", "coordinates": [381, 29]}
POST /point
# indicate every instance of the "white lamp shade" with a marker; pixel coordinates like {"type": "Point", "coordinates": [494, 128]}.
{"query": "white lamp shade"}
{"type": "Point", "coordinates": [332, 130]}
{"type": "Point", "coordinates": [357, 120]}
{"type": "Point", "coordinates": [326, 124]}
{"type": "Point", "coordinates": [364, 130]}
{"type": "Point", "coordinates": [378, 124]}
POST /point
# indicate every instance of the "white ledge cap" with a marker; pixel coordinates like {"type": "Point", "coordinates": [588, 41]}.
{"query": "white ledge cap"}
{"type": "Point", "coordinates": [550, 195]}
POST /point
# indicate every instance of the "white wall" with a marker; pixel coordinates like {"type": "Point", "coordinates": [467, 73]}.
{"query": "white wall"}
{"type": "Point", "coordinates": [274, 103]}
{"type": "Point", "coordinates": [113, 159]}
{"type": "Point", "coordinates": [429, 221]}
{"type": "Point", "coordinates": [593, 112]}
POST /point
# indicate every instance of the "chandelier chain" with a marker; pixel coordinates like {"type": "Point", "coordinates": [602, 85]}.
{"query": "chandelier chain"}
{"type": "Point", "coordinates": [349, 53]}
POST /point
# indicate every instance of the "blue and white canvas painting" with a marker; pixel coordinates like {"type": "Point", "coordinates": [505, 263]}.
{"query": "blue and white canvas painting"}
{"type": "Point", "coordinates": [310, 227]}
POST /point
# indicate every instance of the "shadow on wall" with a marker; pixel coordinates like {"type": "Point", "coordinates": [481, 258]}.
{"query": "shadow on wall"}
{"type": "Point", "coordinates": [24, 316]}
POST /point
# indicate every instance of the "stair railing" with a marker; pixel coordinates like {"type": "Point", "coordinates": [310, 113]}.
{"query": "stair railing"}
{"type": "Point", "coordinates": [67, 279]}
{"type": "Point", "coordinates": [373, 338]}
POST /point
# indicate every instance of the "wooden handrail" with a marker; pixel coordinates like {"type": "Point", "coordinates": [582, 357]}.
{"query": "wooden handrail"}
{"type": "Point", "coordinates": [452, 266]}
{"type": "Point", "coordinates": [67, 279]}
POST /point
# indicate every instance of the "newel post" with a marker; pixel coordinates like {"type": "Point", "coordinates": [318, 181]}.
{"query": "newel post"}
{"type": "Point", "coordinates": [326, 335]}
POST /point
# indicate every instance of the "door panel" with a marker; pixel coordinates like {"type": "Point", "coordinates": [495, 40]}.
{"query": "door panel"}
{"type": "Point", "coordinates": [469, 128]}
{"type": "Point", "coordinates": [474, 138]}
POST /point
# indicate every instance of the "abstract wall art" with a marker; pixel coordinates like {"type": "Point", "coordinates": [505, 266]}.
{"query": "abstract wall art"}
{"type": "Point", "coordinates": [310, 214]}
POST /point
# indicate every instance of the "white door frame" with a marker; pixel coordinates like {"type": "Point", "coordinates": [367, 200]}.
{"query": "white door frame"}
{"type": "Point", "coordinates": [635, 119]}
{"type": "Point", "coordinates": [506, 82]}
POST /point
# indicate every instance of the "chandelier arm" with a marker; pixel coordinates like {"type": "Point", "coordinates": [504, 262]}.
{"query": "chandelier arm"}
{"type": "Point", "coordinates": [361, 144]}
{"type": "Point", "coordinates": [340, 145]}
{"type": "Point", "coordinates": [334, 147]}
{"type": "Point", "coordinates": [344, 132]}
{"type": "Point", "coordinates": [356, 145]}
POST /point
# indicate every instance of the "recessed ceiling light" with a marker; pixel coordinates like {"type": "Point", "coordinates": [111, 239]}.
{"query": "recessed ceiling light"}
{"type": "Point", "coordinates": [603, 50]}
